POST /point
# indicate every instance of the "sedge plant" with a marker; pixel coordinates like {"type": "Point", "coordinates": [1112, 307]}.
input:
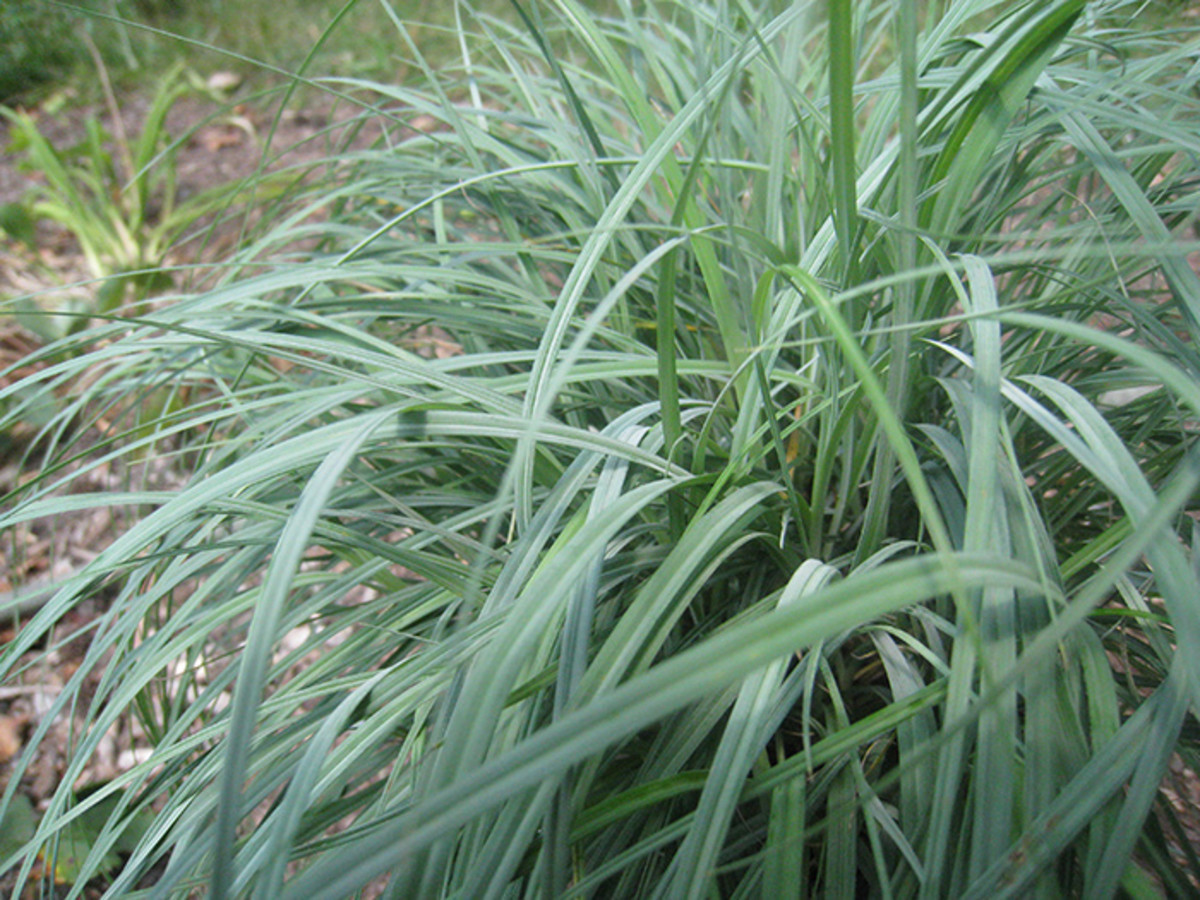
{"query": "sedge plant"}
{"type": "Point", "coordinates": [742, 449]}
{"type": "Point", "coordinates": [116, 193]}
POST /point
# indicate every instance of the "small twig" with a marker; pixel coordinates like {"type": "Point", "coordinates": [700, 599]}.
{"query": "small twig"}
{"type": "Point", "coordinates": [24, 690]}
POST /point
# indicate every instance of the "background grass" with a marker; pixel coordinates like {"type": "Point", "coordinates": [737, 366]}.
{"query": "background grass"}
{"type": "Point", "coordinates": [45, 46]}
{"type": "Point", "coordinates": [700, 465]}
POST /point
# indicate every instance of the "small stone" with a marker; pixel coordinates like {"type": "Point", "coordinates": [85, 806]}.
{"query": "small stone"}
{"type": "Point", "coordinates": [224, 82]}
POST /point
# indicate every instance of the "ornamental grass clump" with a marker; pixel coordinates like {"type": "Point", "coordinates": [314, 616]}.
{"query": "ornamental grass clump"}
{"type": "Point", "coordinates": [737, 449]}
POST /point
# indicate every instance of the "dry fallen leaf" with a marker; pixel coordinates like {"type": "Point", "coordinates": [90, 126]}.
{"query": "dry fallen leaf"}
{"type": "Point", "coordinates": [10, 738]}
{"type": "Point", "coordinates": [215, 139]}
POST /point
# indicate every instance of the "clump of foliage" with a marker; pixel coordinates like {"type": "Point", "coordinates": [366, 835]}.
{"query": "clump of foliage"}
{"type": "Point", "coordinates": [115, 191]}
{"type": "Point", "coordinates": [749, 452]}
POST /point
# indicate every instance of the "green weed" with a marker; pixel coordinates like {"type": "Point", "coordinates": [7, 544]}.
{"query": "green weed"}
{"type": "Point", "coordinates": [116, 194]}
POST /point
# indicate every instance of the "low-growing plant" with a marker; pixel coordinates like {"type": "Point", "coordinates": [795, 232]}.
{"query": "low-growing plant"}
{"type": "Point", "coordinates": [116, 194]}
{"type": "Point", "coordinates": [749, 452]}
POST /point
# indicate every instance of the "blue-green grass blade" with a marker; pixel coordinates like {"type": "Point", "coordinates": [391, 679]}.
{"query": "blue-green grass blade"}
{"type": "Point", "coordinates": [644, 698]}
{"type": "Point", "coordinates": [750, 724]}
{"type": "Point", "coordinates": [255, 659]}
